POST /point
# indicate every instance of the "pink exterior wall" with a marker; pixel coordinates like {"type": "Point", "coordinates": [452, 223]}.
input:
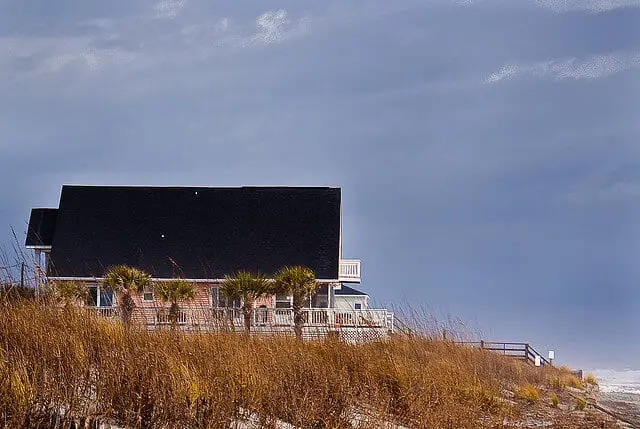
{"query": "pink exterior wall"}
{"type": "Point", "coordinates": [146, 310]}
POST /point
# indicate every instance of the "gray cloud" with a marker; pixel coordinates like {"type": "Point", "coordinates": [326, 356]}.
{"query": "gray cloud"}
{"type": "Point", "coordinates": [168, 9]}
{"type": "Point", "coordinates": [122, 45]}
{"type": "Point", "coordinates": [596, 6]}
{"type": "Point", "coordinates": [274, 27]}
{"type": "Point", "coordinates": [594, 67]}
{"type": "Point", "coordinates": [562, 6]}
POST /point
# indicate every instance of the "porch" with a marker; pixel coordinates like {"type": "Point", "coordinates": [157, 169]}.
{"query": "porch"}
{"type": "Point", "coordinates": [317, 321]}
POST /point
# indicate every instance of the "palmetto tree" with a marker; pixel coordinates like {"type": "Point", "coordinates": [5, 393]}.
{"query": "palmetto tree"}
{"type": "Point", "coordinates": [71, 291]}
{"type": "Point", "coordinates": [246, 287]}
{"type": "Point", "coordinates": [174, 292]}
{"type": "Point", "coordinates": [125, 280]}
{"type": "Point", "coordinates": [300, 283]}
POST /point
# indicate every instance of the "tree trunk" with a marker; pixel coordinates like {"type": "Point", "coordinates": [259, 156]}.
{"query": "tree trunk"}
{"type": "Point", "coordinates": [126, 308]}
{"type": "Point", "coordinates": [298, 317]}
{"type": "Point", "coordinates": [174, 313]}
{"type": "Point", "coordinates": [246, 312]}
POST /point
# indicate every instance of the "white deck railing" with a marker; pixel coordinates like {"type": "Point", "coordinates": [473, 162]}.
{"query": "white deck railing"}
{"type": "Point", "coordinates": [207, 317]}
{"type": "Point", "coordinates": [349, 270]}
{"type": "Point", "coordinates": [108, 312]}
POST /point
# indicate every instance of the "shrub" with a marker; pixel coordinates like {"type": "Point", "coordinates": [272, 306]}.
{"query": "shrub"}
{"type": "Point", "coordinates": [581, 404]}
{"type": "Point", "coordinates": [529, 393]}
{"type": "Point", "coordinates": [555, 401]}
{"type": "Point", "coordinates": [573, 381]}
{"type": "Point", "coordinates": [590, 379]}
{"type": "Point", "coordinates": [563, 380]}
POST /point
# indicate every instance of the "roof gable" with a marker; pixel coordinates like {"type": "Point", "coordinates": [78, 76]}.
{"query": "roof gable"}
{"type": "Point", "coordinates": [349, 291]}
{"type": "Point", "coordinates": [196, 232]}
{"type": "Point", "coordinates": [42, 224]}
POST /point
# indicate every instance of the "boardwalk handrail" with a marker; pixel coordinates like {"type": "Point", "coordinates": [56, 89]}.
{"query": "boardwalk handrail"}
{"type": "Point", "coordinates": [400, 326]}
{"type": "Point", "coordinates": [518, 350]}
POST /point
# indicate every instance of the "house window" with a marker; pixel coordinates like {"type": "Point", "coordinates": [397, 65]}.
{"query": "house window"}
{"type": "Point", "coordinates": [218, 300]}
{"type": "Point", "coordinates": [147, 295]}
{"type": "Point", "coordinates": [320, 299]}
{"type": "Point", "coordinates": [283, 300]}
{"type": "Point", "coordinates": [99, 297]}
{"type": "Point", "coordinates": [92, 297]}
{"type": "Point", "coordinates": [106, 297]}
{"type": "Point", "coordinates": [357, 306]}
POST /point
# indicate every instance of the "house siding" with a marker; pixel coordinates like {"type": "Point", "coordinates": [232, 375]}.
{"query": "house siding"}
{"type": "Point", "coordinates": [343, 302]}
{"type": "Point", "coordinates": [146, 310]}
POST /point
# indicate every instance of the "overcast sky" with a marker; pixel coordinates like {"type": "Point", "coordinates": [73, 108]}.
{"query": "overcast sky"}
{"type": "Point", "coordinates": [488, 151]}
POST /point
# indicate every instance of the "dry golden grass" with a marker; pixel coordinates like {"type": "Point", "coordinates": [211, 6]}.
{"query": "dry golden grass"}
{"type": "Point", "coordinates": [529, 393]}
{"type": "Point", "coordinates": [590, 379]}
{"type": "Point", "coordinates": [563, 378]}
{"type": "Point", "coordinates": [59, 365]}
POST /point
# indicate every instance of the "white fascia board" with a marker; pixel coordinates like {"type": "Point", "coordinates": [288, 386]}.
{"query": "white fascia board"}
{"type": "Point", "coordinates": [351, 296]}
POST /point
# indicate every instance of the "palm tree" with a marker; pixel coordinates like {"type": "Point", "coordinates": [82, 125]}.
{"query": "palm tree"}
{"type": "Point", "coordinates": [71, 291]}
{"type": "Point", "coordinates": [299, 282]}
{"type": "Point", "coordinates": [124, 280]}
{"type": "Point", "coordinates": [246, 287]}
{"type": "Point", "coordinates": [175, 291]}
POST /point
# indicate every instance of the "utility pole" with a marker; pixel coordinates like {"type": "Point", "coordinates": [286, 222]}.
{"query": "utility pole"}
{"type": "Point", "coordinates": [22, 275]}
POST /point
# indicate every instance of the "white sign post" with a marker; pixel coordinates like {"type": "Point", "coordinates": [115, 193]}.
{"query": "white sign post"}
{"type": "Point", "coordinates": [552, 356]}
{"type": "Point", "coordinates": [537, 360]}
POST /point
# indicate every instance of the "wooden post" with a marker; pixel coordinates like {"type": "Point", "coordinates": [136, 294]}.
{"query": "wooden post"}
{"type": "Point", "coordinates": [37, 271]}
{"type": "Point", "coordinates": [482, 344]}
{"type": "Point", "coordinates": [22, 275]}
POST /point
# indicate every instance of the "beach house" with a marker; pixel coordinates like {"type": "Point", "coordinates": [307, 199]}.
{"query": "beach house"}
{"type": "Point", "coordinates": [202, 234]}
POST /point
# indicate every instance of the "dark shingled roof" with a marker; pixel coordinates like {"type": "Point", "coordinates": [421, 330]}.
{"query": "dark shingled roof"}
{"type": "Point", "coordinates": [349, 291]}
{"type": "Point", "coordinates": [42, 225]}
{"type": "Point", "coordinates": [196, 233]}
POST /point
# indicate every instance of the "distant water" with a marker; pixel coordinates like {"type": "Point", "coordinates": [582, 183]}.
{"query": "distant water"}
{"type": "Point", "coordinates": [620, 392]}
{"type": "Point", "coordinates": [626, 381]}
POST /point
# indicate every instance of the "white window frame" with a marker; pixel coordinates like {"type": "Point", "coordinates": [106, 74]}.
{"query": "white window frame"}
{"type": "Point", "coordinates": [217, 299]}
{"type": "Point", "coordinates": [147, 291]}
{"type": "Point", "coordinates": [276, 300]}
{"type": "Point", "coordinates": [99, 290]}
{"type": "Point", "coordinates": [234, 304]}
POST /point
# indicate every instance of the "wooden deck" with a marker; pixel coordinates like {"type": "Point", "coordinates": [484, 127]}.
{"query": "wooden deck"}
{"type": "Point", "coordinates": [319, 322]}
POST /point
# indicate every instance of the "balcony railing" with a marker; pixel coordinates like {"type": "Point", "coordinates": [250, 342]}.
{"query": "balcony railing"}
{"type": "Point", "coordinates": [263, 318]}
{"type": "Point", "coordinates": [108, 312]}
{"type": "Point", "coordinates": [349, 270]}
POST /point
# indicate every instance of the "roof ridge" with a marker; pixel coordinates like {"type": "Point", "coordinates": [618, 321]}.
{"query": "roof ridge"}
{"type": "Point", "coordinates": [203, 186]}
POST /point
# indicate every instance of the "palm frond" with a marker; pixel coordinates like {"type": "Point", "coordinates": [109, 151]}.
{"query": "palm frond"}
{"type": "Point", "coordinates": [71, 290]}
{"type": "Point", "coordinates": [175, 290]}
{"type": "Point", "coordinates": [244, 286]}
{"type": "Point", "coordinates": [123, 278]}
{"type": "Point", "coordinates": [298, 281]}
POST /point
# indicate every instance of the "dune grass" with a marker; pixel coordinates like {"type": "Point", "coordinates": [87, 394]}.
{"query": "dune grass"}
{"type": "Point", "coordinates": [590, 379]}
{"type": "Point", "coordinates": [61, 365]}
{"type": "Point", "coordinates": [529, 393]}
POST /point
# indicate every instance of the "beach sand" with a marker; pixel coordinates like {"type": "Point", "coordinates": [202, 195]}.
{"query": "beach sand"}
{"type": "Point", "coordinates": [626, 405]}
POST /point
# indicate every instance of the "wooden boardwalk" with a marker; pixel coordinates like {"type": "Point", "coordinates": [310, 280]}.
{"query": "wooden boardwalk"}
{"type": "Point", "coordinates": [523, 351]}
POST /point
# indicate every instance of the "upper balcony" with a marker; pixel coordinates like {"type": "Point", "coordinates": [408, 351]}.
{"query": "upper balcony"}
{"type": "Point", "coordinates": [349, 271]}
